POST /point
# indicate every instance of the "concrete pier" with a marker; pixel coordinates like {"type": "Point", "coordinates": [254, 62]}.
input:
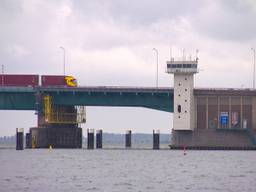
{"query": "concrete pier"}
{"type": "Point", "coordinates": [28, 141]}
{"type": "Point", "coordinates": [128, 139]}
{"type": "Point", "coordinates": [156, 139]}
{"type": "Point", "coordinates": [99, 139]}
{"type": "Point", "coordinates": [56, 137]}
{"type": "Point", "coordinates": [19, 138]}
{"type": "Point", "coordinates": [90, 138]}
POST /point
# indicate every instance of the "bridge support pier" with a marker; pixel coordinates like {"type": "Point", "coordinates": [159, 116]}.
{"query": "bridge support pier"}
{"type": "Point", "coordinates": [156, 139]}
{"type": "Point", "coordinates": [99, 139]}
{"type": "Point", "coordinates": [90, 139]}
{"type": "Point", "coordinates": [56, 137]}
{"type": "Point", "coordinates": [128, 139]}
{"type": "Point", "coordinates": [19, 138]}
{"type": "Point", "coordinates": [28, 141]}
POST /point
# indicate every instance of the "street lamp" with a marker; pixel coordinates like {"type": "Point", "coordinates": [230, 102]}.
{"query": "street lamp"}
{"type": "Point", "coordinates": [253, 50]}
{"type": "Point", "coordinates": [64, 57]}
{"type": "Point", "coordinates": [154, 49]}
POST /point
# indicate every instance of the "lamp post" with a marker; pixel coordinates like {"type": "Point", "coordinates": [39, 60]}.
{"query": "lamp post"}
{"type": "Point", "coordinates": [64, 58]}
{"type": "Point", "coordinates": [154, 49]}
{"type": "Point", "coordinates": [253, 50]}
{"type": "Point", "coordinates": [2, 79]}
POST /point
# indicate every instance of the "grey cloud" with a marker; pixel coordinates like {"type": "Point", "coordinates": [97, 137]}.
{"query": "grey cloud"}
{"type": "Point", "coordinates": [231, 20]}
{"type": "Point", "coordinates": [138, 13]}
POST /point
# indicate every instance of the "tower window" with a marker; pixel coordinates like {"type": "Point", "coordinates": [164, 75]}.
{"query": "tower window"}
{"type": "Point", "coordinates": [185, 100]}
{"type": "Point", "coordinates": [179, 108]}
{"type": "Point", "coordinates": [186, 90]}
{"type": "Point", "coordinates": [186, 79]}
{"type": "Point", "coordinates": [179, 84]}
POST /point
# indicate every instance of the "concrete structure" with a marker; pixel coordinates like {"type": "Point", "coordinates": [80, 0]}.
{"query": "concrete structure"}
{"type": "Point", "coordinates": [128, 139]}
{"type": "Point", "coordinates": [216, 118]}
{"type": "Point", "coordinates": [183, 116]}
{"type": "Point", "coordinates": [19, 138]}
{"type": "Point", "coordinates": [90, 138]}
{"type": "Point", "coordinates": [56, 137]}
{"type": "Point", "coordinates": [156, 139]}
{"type": "Point", "coordinates": [99, 134]}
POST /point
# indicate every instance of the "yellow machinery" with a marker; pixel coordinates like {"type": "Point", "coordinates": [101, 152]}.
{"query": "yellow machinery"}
{"type": "Point", "coordinates": [57, 114]}
{"type": "Point", "coordinates": [71, 81]}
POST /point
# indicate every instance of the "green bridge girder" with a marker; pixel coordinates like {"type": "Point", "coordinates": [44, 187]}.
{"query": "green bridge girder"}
{"type": "Point", "coordinates": [25, 98]}
{"type": "Point", "coordinates": [17, 98]}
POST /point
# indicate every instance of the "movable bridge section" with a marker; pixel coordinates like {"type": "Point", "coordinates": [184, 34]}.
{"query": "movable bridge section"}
{"type": "Point", "coordinates": [61, 110]}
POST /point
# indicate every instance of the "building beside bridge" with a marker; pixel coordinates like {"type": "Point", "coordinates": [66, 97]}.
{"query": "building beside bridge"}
{"type": "Point", "coordinates": [210, 118]}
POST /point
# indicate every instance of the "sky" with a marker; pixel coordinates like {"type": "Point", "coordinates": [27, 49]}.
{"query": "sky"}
{"type": "Point", "coordinates": [110, 42]}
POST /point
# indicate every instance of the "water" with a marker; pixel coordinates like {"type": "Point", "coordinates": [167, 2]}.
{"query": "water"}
{"type": "Point", "coordinates": [126, 170]}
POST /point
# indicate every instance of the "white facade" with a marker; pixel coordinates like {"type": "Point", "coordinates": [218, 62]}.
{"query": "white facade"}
{"type": "Point", "coordinates": [183, 118]}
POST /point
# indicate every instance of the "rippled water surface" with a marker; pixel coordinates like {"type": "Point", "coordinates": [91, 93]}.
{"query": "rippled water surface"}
{"type": "Point", "coordinates": [126, 170]}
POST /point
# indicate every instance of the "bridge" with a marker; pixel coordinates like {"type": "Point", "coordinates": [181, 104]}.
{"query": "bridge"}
{"type": "Point", "coordinates": [25, 98]}
{"type": "Point", "coordinates": [59, 108]}
{"type": "Point", "coordinates": [212, 107]}
{"type": "Point", "coordinates": [201, 117]}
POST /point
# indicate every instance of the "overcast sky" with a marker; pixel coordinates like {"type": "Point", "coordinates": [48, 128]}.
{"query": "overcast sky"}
{"type": "Point", "coordinates": [110, 42]}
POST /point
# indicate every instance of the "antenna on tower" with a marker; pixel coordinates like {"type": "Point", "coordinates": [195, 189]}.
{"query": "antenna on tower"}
{"type": "Point", "coordinates": [197, 51]}
{"type": "Point", "coordinates": [183, 54]}
{"type": "Point", "coordinates": [170, 53]}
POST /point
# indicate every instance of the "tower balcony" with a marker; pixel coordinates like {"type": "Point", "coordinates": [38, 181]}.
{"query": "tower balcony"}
{"type": "Point", "coordinates": [182, 67]}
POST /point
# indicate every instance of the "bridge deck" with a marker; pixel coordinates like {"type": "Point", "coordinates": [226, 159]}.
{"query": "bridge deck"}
{"type": "Point", "coordinates": [25, 98]}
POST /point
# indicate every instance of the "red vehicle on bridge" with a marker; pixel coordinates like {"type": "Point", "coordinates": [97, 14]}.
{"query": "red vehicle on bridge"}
{"type": "Point", "coordinates": [19, 80]}
{"type": "Point", "coordinates": [33, 80]}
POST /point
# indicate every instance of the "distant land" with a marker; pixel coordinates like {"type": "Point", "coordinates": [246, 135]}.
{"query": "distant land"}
{"type": "Point", "coordinates": [139, 140]}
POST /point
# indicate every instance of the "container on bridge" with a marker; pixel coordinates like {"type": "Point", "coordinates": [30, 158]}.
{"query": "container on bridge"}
{"type": "Point", "coordinates": [156, 139]}
{"type": "Point", "coordinates": [19, 80]}
{"type": "Point", "coordinates": [128, 139]}
{"type": "Point", "coordinates": [19, 138]}
{"type": "Point", "coordinates": [58, 80]}
{"type": "Point", "coordinates": [90, 138]}
{"type": "Point", "coordinates": [99, 139]}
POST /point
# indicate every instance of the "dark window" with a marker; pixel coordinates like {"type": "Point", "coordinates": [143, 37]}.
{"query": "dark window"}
{"type": "Point", "coordinates": [179, 108]}
{"type": "Point", "coordinates": [194, 66]}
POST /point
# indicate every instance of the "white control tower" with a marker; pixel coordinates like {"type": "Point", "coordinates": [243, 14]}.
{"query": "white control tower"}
{"type": "Point", "coordinates": [183, 118]}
